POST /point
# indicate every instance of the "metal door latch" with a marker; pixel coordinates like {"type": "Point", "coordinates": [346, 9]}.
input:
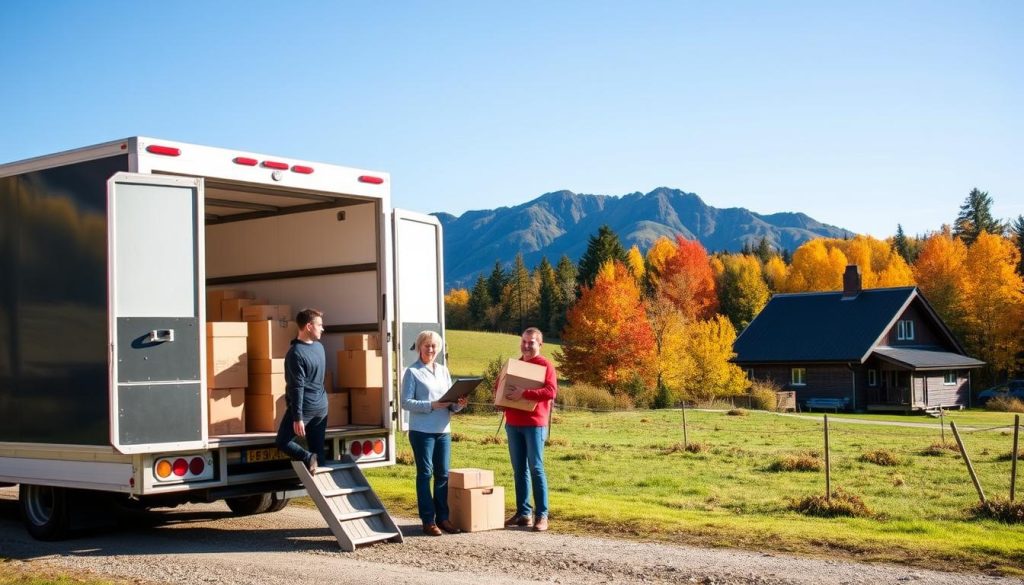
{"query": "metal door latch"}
{"type": "Point", "coordinates": [160, 335]}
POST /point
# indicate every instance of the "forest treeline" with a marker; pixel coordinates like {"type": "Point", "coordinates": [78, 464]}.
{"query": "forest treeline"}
{"type": "Point", "coordinates": [658, 325]}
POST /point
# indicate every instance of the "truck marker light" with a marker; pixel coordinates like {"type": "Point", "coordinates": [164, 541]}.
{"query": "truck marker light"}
{"type": "Point", "coordinates": [367, 447]}
{"type": "Point", "coordinates": [356, 448]}
{"type": "Point", "coordinates": [197, 465]}
{"type": "Point", "coordinates": [370, 179]}
{"type": "Point", "coordinates": [180, 467]}
{"type": "Point", "coordinates": [164, 150]}
{"type": "Point", "coordinates": [378, 447]}
{"type": "Point", "coordinates": [270, 164]}
{"type": "Point", "coordinates": [302, 169]}
{"type": "Point", "coordinates": [163, 469]}
{"type": "Point", "coordinates": [244, 160]}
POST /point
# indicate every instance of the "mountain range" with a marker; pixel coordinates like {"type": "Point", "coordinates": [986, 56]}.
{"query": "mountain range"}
{"type": "Point", "coordinates": [562, 223]}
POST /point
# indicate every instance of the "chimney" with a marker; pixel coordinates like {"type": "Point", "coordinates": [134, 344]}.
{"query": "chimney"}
{"type": "Point", "coordinates": [851, 282]}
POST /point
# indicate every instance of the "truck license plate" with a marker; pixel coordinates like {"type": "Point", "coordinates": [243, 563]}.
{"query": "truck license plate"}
{"type": "Point", "coordinates": [259, 455]}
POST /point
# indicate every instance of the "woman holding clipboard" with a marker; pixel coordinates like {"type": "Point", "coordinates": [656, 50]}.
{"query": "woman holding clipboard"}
{"type": "Point", "coordinates": [423, 384]}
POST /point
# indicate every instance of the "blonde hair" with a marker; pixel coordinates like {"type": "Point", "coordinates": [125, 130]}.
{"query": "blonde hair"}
{"type": "Point", "coordinates": [428, 335]}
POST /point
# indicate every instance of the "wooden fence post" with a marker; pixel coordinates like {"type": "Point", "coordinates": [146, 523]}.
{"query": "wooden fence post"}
{"type": "Point", "coordinates": [828, 466]}
{"type": "Point", "coordinates": [967, 460]}
{"type": "Point", "coordinates": [686, 442]}
{"type": "Point", "coordinates": [1013, 466]}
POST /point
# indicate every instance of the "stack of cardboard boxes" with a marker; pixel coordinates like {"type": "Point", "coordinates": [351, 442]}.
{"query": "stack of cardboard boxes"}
{"type": "Point", "coordinates": [270, 336]}
{"type": "Point", "coordinates": [474, 501]}
{"type": "Point", "coordinates": [226, 376]}
{"type": "Point", "coordinates": [361, 376]}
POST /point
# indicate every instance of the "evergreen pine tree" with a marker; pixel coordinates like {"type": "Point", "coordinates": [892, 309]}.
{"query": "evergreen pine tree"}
{"type": "Point", "coordinates": [548, 301]}
{"type": "Point", "coordinates": [899, 243]}
{"type": "Point", "coordinates": [479, 302]}
{"type": "Point", "coordinates": [1017, 233]}
{"type": "Point", "coordinates": [601, 247]}
{"type": "Point", "coordinates": [521, 299]}
{"type": "Point", "coordinates": [976, 217]}
{"type": "Point", "coordinates": [496, 282]}
{"type": "Point", "coordinates": [565, 293]}
{"type": "Point", "coordinates": [764, 250]}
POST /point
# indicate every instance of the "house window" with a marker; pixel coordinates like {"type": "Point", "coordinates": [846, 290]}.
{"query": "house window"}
{"type": "Point", "coordinates": [950, 378]}
{"type": "Point", "coordinates": [798, 376]}
{"type": "Point", "coordinates": [872, 377]}
{"type": "Point", "coordinates": [905, 330]}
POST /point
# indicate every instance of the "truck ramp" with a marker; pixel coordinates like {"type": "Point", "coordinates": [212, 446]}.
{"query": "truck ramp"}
{"type": "Point", "coordinates": [348, 503]}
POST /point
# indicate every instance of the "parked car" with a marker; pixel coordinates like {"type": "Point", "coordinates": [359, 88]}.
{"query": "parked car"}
{"type": "Point", "coordinates": [1011, 388]}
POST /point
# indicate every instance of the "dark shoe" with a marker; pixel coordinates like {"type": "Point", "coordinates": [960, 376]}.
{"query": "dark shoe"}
{"type": "Point", "coordinates": [312, 464]}
{"type": "Point", "coordinates": [518, 520]}
{"type": "Point", "coordinates": [540, 525]}
{"type": "Point", "coordinates": [448, 527]}
{"type": "Point", "coordinates": [431, 529]}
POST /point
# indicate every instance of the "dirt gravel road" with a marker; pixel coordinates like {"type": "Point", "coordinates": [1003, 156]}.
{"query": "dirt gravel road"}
{"type": "Point", "coordinates": [206, 545]}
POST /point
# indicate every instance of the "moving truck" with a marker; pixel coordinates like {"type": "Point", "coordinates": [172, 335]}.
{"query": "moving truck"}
{"type": "Point", "coordinates": [109, 256]}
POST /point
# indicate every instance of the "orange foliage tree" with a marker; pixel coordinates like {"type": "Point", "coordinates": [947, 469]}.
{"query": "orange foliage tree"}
{"type": "Point", "coordinates": [939, 271]}
{"type": "Point", "coordinates": [687, 281]}
{"type": "Point", "coordinates": [995, 303]}
{"type": "Point", "coordinates": [607, 340]}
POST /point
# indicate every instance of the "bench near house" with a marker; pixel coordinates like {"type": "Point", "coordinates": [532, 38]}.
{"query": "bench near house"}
{"type": "Point", "coordinates": [863, 350]}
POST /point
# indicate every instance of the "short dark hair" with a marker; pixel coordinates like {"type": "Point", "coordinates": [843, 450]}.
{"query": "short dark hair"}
{"type": "Point", "coordinates": [306, 316]}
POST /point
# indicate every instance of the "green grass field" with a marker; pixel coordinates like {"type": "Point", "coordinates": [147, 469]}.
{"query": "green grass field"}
{"type": "Point", "coordinates": [625, 474]}
{"type": "Point", "coordinates": [469, 352]}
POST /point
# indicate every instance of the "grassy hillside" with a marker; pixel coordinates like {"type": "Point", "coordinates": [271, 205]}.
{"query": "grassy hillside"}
{"type": "Point", "coordinates": [469, 352]}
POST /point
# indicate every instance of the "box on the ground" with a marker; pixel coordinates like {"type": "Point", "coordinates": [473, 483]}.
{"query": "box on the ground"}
{"type": "Point", "coordinates": [266, 384]}
{"type": "Point", "coordinates": [476, 509]}
{"type": "Point", "coordinates": [227, 411]}
{"type": "Point", "coordinates": [263, 412]}
{"type": "Point", "coordinates": [785, 400]}
{"type": "Point", "coordinates": [214, 299]}
{"type": "Point", "coordinates": [469, 477]}
{"type": "Point", "coordinates": [360, 369]}
{"type": "Point", "coordinates": [226, 363]}
{"type": "Point", "coordinates": [337, 408]}
{"type": "Point", "coordinates": [523, 375]}
{"type": "Point", "coordinates": [267, 312]}
{"type": "Point", "coordinates": [362, 341]}
{"type": "Point", "coordinates": [231, 309]}
{"type": "Point", "coordinates": [365, 408]}
{"type": "Point", "coordinates": [270, 339]}
{"type": "Point", "coordinates": [266, 366]}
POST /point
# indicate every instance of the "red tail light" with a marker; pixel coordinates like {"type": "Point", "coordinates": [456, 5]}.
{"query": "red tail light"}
{"type": "Point", "coordinates": [371, 179]}
{"type": "Point", "coordinates": [244, 160]}
{"type": "Point", "coordinates": [271, 164]}
{"type": "Point", "coordinates": [164, 150]}
{"type": "Point", "coordinates": [180, 467]}
{"type": "Point", "coordinates": [197, 465]}
{"type": "Point", "coordinates": [302, 169]}
{"type": "Point", "coordinates": [356, 449]}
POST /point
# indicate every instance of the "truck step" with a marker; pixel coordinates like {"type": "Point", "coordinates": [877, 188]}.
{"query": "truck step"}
{"type": "Point", "coordinates": [330, 493]}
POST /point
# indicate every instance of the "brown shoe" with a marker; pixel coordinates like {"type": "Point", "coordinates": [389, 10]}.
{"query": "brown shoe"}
{"type": "Point", "coordinates": [448, 527]}
{"type": "Point", "coordinates": [518, 520]}
{"type": "Point", "coordinates": [431, 529]}
{"type": "Point", "coordinates": [540, 525]}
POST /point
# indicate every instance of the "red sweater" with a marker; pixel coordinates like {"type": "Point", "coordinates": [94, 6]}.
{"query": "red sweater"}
{"type": "Point", "coordinates": [544, 396]}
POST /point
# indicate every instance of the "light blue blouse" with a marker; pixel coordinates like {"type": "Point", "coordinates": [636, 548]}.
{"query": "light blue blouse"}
{"type": "Point", "coordinates": [420, 387]}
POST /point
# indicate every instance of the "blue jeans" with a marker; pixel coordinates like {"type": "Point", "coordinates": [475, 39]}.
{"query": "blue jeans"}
{"type": "Point", "coordinates": [526, 448]}
{"type": "Point", "coordinates": [316, 432]}
{"type": "Point", "coordinates": [433, 454]}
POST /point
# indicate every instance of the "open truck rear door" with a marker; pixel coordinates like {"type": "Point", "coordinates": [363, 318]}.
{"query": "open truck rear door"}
{"type": "Point", "coordinates": [155, 233]}
{"type": "Point", "coordinates": [419, 288]}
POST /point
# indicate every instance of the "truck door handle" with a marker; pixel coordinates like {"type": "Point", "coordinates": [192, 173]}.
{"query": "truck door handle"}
{"type": "Point", "coordinates": [160, 335]}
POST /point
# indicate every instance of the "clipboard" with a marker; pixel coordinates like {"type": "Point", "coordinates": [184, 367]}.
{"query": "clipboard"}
{"type": "Point", "coordinates": [461, 387]}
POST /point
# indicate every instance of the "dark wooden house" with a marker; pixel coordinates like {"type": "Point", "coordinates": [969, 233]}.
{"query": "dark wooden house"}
{"type": "Point", "coordinates": [864, 350]}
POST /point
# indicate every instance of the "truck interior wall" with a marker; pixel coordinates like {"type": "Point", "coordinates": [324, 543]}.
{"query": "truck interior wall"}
{"type": "Point", "coordinates": [54, 379]}
{"type": "Point", "coordinates": [303, 241]}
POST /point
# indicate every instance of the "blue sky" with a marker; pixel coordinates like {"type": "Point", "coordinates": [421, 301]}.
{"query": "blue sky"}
{"type": "Point", "coordinates": [860, 114]}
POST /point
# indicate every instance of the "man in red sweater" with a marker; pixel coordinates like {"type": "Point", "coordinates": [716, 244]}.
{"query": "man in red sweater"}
{"type": "Point", "coordinates": [527, 431]}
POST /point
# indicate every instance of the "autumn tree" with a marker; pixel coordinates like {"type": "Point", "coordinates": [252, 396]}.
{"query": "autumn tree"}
{"type": "Point", "coordinates": [818, 265]}
{"type": "Point", "coordinates": [686, 279]}
{"type": "Point", "coordinates": [607, 340]}
{"type": "Point", "coordinates": [456, 309]}
{"type": "Point", "coordinates": [995, 304]}
{"type": "Point", "coordinates": [939, 272]}
{"type": "Point", "coordinates": [742, 291]}
{"type": "Point", "coordinates": [775, 273]}
{"type": "Point", "coordinates": [601, 247]}
{"type": "Point", "coordinates": [635, 263]}
{"type": "Point", "coordinates": [703, 371]}
{"type": "Point", "coordinates": [975, 217]}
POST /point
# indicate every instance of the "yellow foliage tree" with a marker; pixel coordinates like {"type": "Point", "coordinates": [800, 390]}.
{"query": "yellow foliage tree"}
{"type": "Point", "coordinates": [939, 271]}
{"type": "Point", "coordinates": [742, 292]}
{"type": "Point", "coordinates": [995, 303]}
{"type": "Point", "coordinates": [775, 273]}
{"type": "Point", "coordinates": [702, 371]}
{"type": "Point", "coordinates": [456, 309]}
{"type": "Point", "coordinates": [662, 250]}
{"type": "Point", "coordinates": [635, 262]}
{"type": "Point", "coordinates": [818, 265]}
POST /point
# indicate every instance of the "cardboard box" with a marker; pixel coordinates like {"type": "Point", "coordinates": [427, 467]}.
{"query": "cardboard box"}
{"type": "Point", "coordinates": [469, 477]}
{"type": "Point", "coordinates": [270, 339]}
{"type": "Point", "coordinates": [226, 358]}
{"type": "Point", "coordinates": [362, 341]}
{"type": "Point", "coordinates": [365, 408]}
{"type": "Point", "coordinates": [231, 309]}
{"type": "Point", "coordinates": [360, 369]}
{"type": "Point", "coordinates": [266, 366]}
{"type": "Point", "coordinates": [337, 409]}
{"type": "Point", "coordinates": [267, 312]}
{"type": "Point", "coordinates": [273, 384]}
{"type": "Point", "coordinates": [214, 299]}
{"type": "Point", "coordinates": [477, 509]}
{"type": "Point", "coordinates": [226, 411]}
{"type": "Point", "coordinates": [263, 412]}
{"type": "Point", "coordinates": [522, 375]}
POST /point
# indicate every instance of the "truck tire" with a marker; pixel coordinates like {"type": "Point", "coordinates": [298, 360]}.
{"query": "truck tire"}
{"type": "Point", "coordinates": [276, 505]}
{"type": "Point", "coordinates": [249, 505]}
{"type": "Point", "coordinates": [45, 510]}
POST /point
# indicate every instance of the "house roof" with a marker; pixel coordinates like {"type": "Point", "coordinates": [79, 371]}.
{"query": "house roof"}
{"type": "Point", "coordinates": [821, 327]}
{"type": "Point", "coordinates": [926, 358]}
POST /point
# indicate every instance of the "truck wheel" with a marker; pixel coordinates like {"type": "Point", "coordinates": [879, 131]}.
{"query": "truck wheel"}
{"type": "Point", "coordinates": [45, 511]}
{"type": "Point", "coordinates": [276, 505]}
{"type": "Point", "coordinates": [248, 505]}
